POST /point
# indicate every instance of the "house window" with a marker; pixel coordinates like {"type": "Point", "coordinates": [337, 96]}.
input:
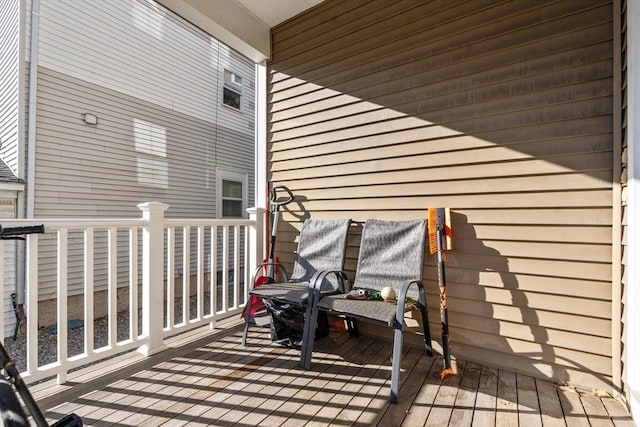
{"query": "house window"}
{"type": "Point", "coordinates": [232, 90]}
{"type": "Point", "coordinates": [232, 194]}
{"type": "Point", "coordinates": [231, 199]}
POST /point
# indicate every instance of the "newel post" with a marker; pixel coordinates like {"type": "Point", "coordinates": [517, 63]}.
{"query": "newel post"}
{"type": "Point", "coordinates": [256, 241]}
{"type": "Point", "coordinates": [152, 280]}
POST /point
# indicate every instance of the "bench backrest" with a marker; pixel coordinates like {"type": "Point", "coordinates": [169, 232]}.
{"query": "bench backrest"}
{"type": "Point", "coordinates": [391, 253]}
{"type": "Point", "coordinates": [322, 246]}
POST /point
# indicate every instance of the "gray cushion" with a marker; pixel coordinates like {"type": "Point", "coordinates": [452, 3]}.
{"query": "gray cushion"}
{"type": "Point", "coordinates": [291, 292]}
{"type": "Point", "coordinates": [375, 310]}
{"type": "Point", "coordinates": [322, 247]}
{"type": "Point", "coordinates": [391, 253]}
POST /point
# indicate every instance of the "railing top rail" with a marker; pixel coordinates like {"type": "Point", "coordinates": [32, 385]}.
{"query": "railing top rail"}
{"type": "Point", "coordinates": [206, 222]}
{"type": "Point", "coordinates": [69, 223]}
{"type": "Point", "coordinates": [75, 222]}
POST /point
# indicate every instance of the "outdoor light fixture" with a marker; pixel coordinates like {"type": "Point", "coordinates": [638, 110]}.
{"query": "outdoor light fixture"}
{"type": "Point", "coordinates": [90, 119]}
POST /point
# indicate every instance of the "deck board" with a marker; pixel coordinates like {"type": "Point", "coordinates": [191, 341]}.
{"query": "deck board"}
{"type": "Point", "coordinates": [507, 401]}
{"type": "Point", "coordinates": [419, 410]}
{"type": "Point", "coordinates": [291, 395]}
{"type": "Point", "coordinates": [572, 409]}
{"type": "Point", "coordinates": [415, 381]}
{"type": "Point", "coordinates": [528, 406]}
{"type": "Point", "coordinates": [370, 393]}
{"type": "Point", "coordinates": [264, 403]}
{"type": "Point", "coordinates": [338, 393]}
{"type": "Point", "coordinates": [443, 406]}
{"type": "Point", "coordinates": [213, 380]}
{"type": "Point", "coordinates": [462, 414]}
{"type": "Point", "coordinates": [550, 407]}
{"type": "Point", "coordinates": [484, 413]}
{"type": "Point", "coordinates": [596, 412]}
{"type": "Point", "coordinates": [618, 413]}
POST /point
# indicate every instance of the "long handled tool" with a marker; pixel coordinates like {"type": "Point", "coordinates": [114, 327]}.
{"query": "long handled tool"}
{"type": "Point", "coordinates": [276, 203]}
{"type": "Point", "coordinates": [279, 196]}
{"type": "Point", "coordinates": [439, 241]}
{"type": "Point", "coordinates": [17, 233]}
{"type": "Point", "coordinates": [18, 310]}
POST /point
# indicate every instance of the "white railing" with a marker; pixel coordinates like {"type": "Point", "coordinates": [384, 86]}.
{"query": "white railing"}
{"type": "Point", "coordinates": [178, 274]}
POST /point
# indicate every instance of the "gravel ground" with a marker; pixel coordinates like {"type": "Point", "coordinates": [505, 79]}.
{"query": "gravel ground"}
{"type": "Point", "coordinates": [48, 340]}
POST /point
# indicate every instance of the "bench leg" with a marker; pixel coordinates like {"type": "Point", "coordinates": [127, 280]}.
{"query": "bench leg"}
{"type": "Point", "coordinates": [308, 336]}
{"type": "Point", "coordinates": [395, 366]}
{"type": "Point", "coordinates": [427, 333]}
{"type": "Point", "coordinates": [247, 317]}
{"type": "Point", "coordinates": [352, 327]}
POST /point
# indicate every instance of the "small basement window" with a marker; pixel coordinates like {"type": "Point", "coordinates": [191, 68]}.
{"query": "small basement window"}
{"type": "Point", "coordinates": [232, 194]}
{"type": "Point", "coordinates": [232, 90]}
{"type": "Point", "coordinates": [231, 199]}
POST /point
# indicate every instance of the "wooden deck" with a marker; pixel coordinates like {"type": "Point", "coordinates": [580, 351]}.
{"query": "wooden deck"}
{"type": "Point", "coordinates": [207, 378]}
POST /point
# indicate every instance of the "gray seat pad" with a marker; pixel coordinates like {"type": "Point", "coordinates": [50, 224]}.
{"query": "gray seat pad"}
{"type": "Point", "coordinates": [293, 292]}
{"type": "Point", "coordinates": [375, 310]}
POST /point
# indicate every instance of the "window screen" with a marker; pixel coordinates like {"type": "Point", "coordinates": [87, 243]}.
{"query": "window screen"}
{"type": "Point", "coordinates": [232, 198]}
{"type": "Point", "coordinates": [232, 90]}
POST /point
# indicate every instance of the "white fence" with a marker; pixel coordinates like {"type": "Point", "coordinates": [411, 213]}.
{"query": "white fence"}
{"type": "Point", "coordinates": [216, 258]}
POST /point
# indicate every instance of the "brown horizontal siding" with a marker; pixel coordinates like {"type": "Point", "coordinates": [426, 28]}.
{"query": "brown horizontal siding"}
{"type": "Point", "coordinates": [466, 148]}
{"type": "Point", "coordinates": [526, 217]}
{"type": "Point", "coordinates": [517, 95]}
{"type": "Point", "coordinates": [422, 33]}
{"type": "Point", "coordinates": [501, 111]}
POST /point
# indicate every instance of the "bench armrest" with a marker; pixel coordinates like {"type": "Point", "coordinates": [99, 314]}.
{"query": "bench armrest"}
{"type": "Point", "coordinates": [402, 296]}
{"type": "Point", "coordinates": [265, 267]}
{"type": "Point", "coordinates": [316, 281]}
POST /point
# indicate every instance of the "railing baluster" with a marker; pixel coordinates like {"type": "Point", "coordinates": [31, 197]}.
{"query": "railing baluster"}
{"type": "Point", "coordinates": [225, 268]}
{"type": "Point", "coordinates": [214, 270]}
{"type": "Point", "coordinates": [32, 303]}
{"type": "Point", "coordinates": [200, 274]}
{"type": "Point", "coordinates": [133, 283]}
{"type": "Point", "coordinates": [247, 264]}
{"type": "Point", "coordinates": [88, 291]}
{"type": "Point", "coordinates": [171, 276]}
{"type": "Point", "coordinates": [62, 301]}
{"type": "Point", "coordinates": [236, 266]}
{"type": "Point", "coordinates": [112, 284]}
{"type": "Point", "coordinates": [186, 273]}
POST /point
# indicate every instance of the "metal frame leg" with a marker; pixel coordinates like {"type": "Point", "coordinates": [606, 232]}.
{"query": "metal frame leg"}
{"type": "Point", "coordinates": [309, 332]}
{"type": "Point", "coordinates": [397, 358]}
{"type": "Point", "coordinates": [247, 318]}
{"type": "Point", "coordinates": [310, 319]}
{"type": "Point", "coordinates": [425, 323]}
{"type": "Point", "coordinates": [308, 337]}
{"type": "Point", "coordinates": [352, 327]}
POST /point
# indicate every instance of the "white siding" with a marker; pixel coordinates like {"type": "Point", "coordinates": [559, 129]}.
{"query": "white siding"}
{"type": "Point", "coordinates": [9, 82]}
{"type": "Point", "coordinates": [140, 49]}
{"type": "Point", "coordinates": [137, 152]}
{"type": "Point", "coordinates": [9, 125]}
{"type": "Point", "coordinates": [8, 256]}
{"type": "Point", "coordinates": [154, 83]}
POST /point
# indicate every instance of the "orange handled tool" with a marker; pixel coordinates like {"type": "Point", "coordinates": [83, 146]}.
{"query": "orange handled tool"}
{"type": "Point", "coordinates": [438, 221]}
